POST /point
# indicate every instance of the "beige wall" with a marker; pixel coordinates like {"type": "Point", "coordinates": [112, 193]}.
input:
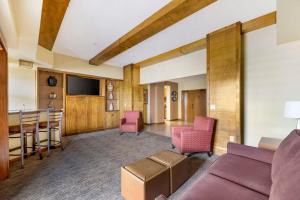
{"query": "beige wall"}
{"type": "Point", "coordinates": [271, 78]}
{"type": "Point", "coordinates": [76, 65]}
{"type": "Point", "coordinates": [21, 88]}
{"type": "Point", "coordinates": [288, 15]}
{"type": "Point", "coordinates": [183, 66]}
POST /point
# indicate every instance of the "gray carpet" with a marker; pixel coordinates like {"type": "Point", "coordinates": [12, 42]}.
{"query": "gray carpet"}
{"type": "Point", "coordinates": [89, 168]}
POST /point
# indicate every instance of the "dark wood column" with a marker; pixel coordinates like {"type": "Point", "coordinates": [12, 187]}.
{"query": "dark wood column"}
{"type": "Point", "coordinates": [4, 152]}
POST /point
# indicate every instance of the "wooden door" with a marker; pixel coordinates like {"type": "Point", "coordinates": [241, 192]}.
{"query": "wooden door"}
{"type": "Point", "coordinates": [4, 157]}
{"type": "Point", "coordinates": [193, 104]}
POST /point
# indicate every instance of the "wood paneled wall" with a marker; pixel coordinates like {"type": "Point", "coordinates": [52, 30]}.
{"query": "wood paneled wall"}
{"type": "Point", "coordinates": [4, 157]}
{"type": "Point", "coordinates": [132, 94]}
{"type": "Point", "coordinates": [224, 76]}
{"type": "Point", "coordinates": [44, 90]}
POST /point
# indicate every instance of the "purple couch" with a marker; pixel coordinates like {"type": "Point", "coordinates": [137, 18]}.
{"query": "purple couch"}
{"type": "Point", "coordinates": [249, 173]}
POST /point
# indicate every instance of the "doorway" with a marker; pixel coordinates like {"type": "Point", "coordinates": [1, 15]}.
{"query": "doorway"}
{"type": "Point", "coordinates": [167, 102]}
{"type": "Point", "coordinates": [193, 103]}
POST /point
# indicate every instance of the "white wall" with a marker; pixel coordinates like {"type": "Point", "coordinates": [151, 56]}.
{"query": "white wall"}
{"type": "Point", "coordinates": [21, 88]}
{"type": "Point", "coordinates": [189, 83]}
{"type": "Point", "coordinates": [271, 78]}
{"type": "Point", "coordinates": [183, 66]}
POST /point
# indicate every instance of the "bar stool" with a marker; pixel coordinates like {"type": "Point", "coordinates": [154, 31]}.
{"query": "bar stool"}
{"type": "Point", "coordinates": [53, 124]}
{"type": "Point", "coordinates": [29, 126]}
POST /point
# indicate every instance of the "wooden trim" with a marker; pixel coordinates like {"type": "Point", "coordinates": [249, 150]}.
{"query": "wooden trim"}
{"type": "Point", "coordinates": [170, 14]}
{"type": "Point", "coordinates": [4, 148]}
{"type": "Point", "coordinates": [186, 49]}
{"type": "Point", "coordinates": [53, 13]}
{"type": "Point", "coordinates": [260, 22]}
{"type": "Point", "coordinates": [252, 25]}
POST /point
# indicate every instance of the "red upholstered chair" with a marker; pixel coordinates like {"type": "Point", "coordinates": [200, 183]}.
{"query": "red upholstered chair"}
{"type": "Point", "coordinates": [194, 138]}
{"type": "Point", "coordinates": [132, 122]}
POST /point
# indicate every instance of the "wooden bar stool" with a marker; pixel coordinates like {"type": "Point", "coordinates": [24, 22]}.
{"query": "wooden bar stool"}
{"type": "Point", "coordinates": [29, 126]}
{"type": "Point", "coordinates": [53, 124]}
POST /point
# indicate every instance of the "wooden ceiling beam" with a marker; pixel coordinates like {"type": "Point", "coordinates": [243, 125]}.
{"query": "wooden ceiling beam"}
{"type": "Point", "coordinates": [260, 22]}
{"type": "Point", "coordinates": [170, 14]}
{"type": "Point", "coordinates": [254, 24]}
{"type": "Point", "coordinates": [186, 49]}
{"type": "Point", "coordinates": [53, 13]}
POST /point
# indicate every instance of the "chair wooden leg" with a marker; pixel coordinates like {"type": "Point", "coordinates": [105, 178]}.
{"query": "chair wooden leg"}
{"type": "Point", "coordinates": [37, 136]}
{"type": "Point", "coordinates": [22, 150]}
{"type": "Point", "coordinates": [210, 153]}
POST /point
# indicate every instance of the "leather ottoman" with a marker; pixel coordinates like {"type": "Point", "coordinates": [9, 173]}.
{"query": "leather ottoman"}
{"type": "Point", "coordinates": [178, 165]}
{"type": "Point", "coordinates": [144, 180]}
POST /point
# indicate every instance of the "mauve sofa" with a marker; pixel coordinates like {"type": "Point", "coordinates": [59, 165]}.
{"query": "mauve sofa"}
{"type": "Point", "coordinates": [249, 173]}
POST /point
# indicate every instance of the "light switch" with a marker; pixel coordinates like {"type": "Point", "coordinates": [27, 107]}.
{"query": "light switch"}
{"type": "Point", "coordinates": [212, 107]}
{"type": "Point", "coordinates": [232, 138]}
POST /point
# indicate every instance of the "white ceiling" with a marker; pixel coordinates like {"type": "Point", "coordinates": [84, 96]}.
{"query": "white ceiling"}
{"type": "Point", "coordinates": [90, 26]}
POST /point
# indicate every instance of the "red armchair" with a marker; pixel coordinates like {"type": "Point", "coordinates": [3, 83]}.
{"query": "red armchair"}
{"type": "Point", "coordinates": [194, 138]}
{"type": "Point", "coordinates": [131, 123]}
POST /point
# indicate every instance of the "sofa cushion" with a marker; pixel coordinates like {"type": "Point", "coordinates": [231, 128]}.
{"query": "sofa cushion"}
{"type": "Point", "coordinates": [286, 169]}
{"type": "Point", "coordinates": [285, 153]}
{"type": "Point", "coordinates": [129, 127]}
{"type": "Point", "coordinates": [249, 173]}
{"type": "Point", "coordinates": [210, 187]}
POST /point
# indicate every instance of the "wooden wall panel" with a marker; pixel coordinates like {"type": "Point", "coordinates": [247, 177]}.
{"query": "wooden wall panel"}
{"type": "Point", "coordinates": [44, 90]}
{"type": "Point", "coordinates": [112, 119]}
{"type": "Point", "coordinates": [138, 90]}
{"type": "Point", "coordinates": [4, 157]}
{"type": "Point", "coordinates": [127, 90]}
{"type": "Point", "coordinates": [224, 76]}
{"type": "Point", "coordinates": [132, 94]}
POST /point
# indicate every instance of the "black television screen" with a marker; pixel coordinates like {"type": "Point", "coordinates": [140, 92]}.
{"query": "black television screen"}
{"type": "Point", "coordinates": [82, 86]}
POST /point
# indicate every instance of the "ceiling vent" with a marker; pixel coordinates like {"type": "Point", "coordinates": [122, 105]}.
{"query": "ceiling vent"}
{"type": "Point", "coordinates": [26, 64]}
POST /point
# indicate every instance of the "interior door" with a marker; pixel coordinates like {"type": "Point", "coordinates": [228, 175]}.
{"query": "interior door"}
{"type": "Point", "coordinates": [193, 104]}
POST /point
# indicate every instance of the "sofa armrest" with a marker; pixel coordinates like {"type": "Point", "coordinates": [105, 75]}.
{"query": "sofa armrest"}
{"type": "Point", "coordinates": [139, 124]}
{"type": "Point", "coordinates": [122, 121]}
{"type": "Point", "coordinates": [254, 153]}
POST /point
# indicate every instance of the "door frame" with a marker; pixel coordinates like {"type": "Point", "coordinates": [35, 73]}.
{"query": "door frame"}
{"type": "Point", "coordinates": [4, 148]}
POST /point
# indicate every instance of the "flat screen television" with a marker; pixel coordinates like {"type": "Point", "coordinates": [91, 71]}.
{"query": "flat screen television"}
{"type": "Point", "coordinates": [82, 86]}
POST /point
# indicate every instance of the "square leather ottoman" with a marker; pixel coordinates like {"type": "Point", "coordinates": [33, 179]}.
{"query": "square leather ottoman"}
{"type": "Point", "coordinates": [178, 165]}
{"type": "Point", "coordinates": [145, 180]}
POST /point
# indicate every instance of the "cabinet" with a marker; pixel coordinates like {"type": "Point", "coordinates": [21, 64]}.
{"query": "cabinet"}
{"type": "Point", "coordinates": [84, 113]}
{"type": "Point", "coordinates": [112, 119]}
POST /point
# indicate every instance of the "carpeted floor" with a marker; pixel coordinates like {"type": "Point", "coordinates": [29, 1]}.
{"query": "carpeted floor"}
{"type": "Point", "coordinates": [89, 168]}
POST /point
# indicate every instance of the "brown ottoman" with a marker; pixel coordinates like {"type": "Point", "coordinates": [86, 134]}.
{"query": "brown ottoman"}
{"type": "Point", "coordinates": [178, 165]}
{"type": "Point", "coordinates": [144, 180]}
